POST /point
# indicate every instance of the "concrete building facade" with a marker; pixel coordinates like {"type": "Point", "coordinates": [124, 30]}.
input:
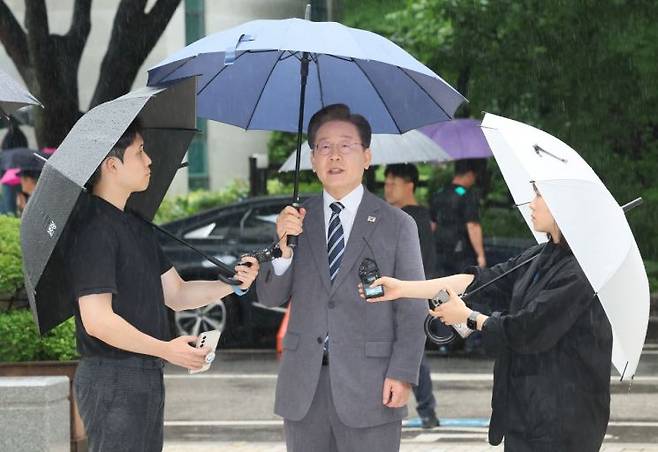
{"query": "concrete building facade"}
{"type": "Point", "coordinates": [224, 156]}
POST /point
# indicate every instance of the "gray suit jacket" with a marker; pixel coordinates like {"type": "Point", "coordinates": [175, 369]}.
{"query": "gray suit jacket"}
{"type": "Point", "coordinates": [368, 341]}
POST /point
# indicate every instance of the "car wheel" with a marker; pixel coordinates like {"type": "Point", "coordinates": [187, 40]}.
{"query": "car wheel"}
{"type": "Point", "coordinates": [195, 321]}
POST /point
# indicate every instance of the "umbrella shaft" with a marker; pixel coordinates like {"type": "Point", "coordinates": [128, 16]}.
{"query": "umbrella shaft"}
{"type": "Point", "coordinates": [300, 125]}
{"type": "Point", "coordinates": [513, 269]}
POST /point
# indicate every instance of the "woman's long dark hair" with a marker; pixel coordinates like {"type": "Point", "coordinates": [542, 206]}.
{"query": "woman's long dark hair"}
{"type": "Point", "coordinates": [562, 242]}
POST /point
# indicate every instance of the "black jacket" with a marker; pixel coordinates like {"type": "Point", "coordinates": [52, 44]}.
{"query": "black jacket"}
{"type": "Point", "coordinates": [553, 343]}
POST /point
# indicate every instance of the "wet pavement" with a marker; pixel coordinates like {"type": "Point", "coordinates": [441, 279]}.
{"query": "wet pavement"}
{"type": "Point", "coordinates": [229, 408]}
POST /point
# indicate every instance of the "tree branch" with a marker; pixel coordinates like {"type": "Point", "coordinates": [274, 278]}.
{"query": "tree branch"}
{"type": "Point", "coordinates": [14, 40]}
{"type": "Point", "coordinates": [134, 34]}
{"type": "Point", "coordinates": [80, 27]}
{"type": "Point", "coordinates": [158, 18]}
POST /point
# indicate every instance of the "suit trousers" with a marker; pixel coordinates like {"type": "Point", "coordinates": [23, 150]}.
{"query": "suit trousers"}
{"type": "Point", "coordinates": [322, 431]}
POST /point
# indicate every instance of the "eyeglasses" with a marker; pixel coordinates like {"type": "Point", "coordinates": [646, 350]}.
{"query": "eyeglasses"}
{"type": "Point", "coordinates": [343, 148]}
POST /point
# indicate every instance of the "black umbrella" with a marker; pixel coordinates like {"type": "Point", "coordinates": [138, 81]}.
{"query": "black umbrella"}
{"type": "Point", "coordinates": [13, 96]}
{"type": "Point", "coordinates": [58, 203]}
{"type": "Point", "coordinates": [23, 158]}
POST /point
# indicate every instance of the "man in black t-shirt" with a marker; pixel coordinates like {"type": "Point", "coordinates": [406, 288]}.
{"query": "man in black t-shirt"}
{"type": "Point", "coordinates": [399, 191]}
{"type": "Point", "coordinates": [455, 209]}
{"type": "Point", "coordinates": [122, 283]}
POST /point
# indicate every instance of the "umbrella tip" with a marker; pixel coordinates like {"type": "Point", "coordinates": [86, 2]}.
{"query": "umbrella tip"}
{"type": "Point", "coordinates": [634, 203]}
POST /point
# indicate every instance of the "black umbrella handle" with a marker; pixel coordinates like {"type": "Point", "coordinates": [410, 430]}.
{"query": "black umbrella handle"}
{"type": "Point", "coordinates": [291, 240]}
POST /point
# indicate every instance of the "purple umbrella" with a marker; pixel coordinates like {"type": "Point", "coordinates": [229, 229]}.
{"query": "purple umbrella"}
{"type": "Point", "coordinates": [461, 138]}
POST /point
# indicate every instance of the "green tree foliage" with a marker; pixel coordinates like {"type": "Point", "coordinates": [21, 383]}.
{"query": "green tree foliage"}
{"type": "Point", "coordinates": [199, 200]}
{"type": "Point", "coordinates": [11, 271]}
{"type": "Point", "coordinates": [583, 71]}
{"type": "Point", "coordinates": [20, 341]}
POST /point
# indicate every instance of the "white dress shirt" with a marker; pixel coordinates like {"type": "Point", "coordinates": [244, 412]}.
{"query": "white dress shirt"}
{"type": "Point", "coordinates": [351, 201]}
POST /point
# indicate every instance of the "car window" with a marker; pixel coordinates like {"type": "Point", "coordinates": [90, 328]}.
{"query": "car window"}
{"type": "Point", "coordinates": [228, 226]}
{"type": "Point", "coordinates": [260, 225]}
{"type": "Point", "coordinates": [253, 225]}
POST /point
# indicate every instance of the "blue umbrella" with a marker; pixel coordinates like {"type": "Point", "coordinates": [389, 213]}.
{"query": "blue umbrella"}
{"type": "Point", "coordinates": [271, 74]}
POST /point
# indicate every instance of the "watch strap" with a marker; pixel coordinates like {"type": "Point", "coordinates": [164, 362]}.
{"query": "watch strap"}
{"type": "Point", "coordinates": [471, 321]}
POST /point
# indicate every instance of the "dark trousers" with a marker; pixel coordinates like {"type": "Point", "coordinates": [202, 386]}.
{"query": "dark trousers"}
{"type": "Point", "coordinates": [425, 401]}
{"type": "Point", "coordinates": [121, 402]}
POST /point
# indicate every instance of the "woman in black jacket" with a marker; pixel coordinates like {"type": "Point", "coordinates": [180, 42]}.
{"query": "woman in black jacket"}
{"type": "Point", "coordinates": [551, 340]}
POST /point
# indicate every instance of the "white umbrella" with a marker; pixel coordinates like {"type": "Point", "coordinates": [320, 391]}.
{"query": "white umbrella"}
{"type": "Point", "coordinates": [409, 147]}
{"type": "Point", "coordinates": [591, 220]}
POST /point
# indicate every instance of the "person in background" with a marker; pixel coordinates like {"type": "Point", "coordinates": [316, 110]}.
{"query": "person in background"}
{"type": "Point", "coordinates": [14, 138]}
{"type": "Point", "coordinates": [29, 170]}
{"type": "Point", "coordinates": [455, 209]}
{"type": "Point", "coordinates": [400, 191]}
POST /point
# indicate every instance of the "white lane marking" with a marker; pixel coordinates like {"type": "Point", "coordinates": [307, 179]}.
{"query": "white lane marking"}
{"type": "Point", "coordinates": [445, 430]}
{"type": "Point", "coordinates": [434, 437]}
{"type": "Point", "coordinates": [632, 424]}
{"type": "Point", "coordinates": [263, 423]}
{"type": "Point", "coordinates": [446, 377]}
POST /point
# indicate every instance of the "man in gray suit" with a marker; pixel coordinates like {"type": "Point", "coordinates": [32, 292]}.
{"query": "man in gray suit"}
{"type": "Point", "coordinates": [347, 364]}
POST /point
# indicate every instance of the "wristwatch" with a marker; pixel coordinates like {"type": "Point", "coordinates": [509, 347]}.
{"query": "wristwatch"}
{"type": "Point", "coordinates": [471, 321]}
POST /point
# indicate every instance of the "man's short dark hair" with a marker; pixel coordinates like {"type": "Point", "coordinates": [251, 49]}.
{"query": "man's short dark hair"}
{"type": "Point", "coordinates": [33, 174]}
{"type": "Point", "coordinates": [406, 171]}
{"type": "Point", "coordinates": [118, 150]}
{"type": "Point", "coordinates": [477, 166]}
{"type": "Point", "coordinates": [339, 112]}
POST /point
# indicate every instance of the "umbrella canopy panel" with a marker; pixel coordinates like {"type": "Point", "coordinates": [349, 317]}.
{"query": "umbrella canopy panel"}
{"type": "Point", "coordinates": [58, 203]}
{"type": "Point", "coordinates": [249, 76]}
{"type": "Point", "coordinates": [13, 95]}
{"type": "Point", "coordinates": [461, 138]}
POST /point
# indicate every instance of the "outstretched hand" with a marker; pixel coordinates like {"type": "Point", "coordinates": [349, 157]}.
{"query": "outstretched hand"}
{"type": "Point", "coordinates": [453, 311]}
{"type": "Point", "coordinates": [392, 289]}
{"type": "Point", "coordinates": [246, 271]}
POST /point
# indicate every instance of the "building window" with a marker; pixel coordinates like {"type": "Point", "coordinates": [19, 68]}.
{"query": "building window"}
{"type": "Point", "coordinates": [195, 29]}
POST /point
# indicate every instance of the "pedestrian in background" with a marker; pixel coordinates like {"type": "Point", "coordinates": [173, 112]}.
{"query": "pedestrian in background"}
{"type": "Point", "coordinates": [14, 138]}
{"type": "Point", "coordinates": [400, 191]}
{"type": "Point", "coordinates": [455, 209]}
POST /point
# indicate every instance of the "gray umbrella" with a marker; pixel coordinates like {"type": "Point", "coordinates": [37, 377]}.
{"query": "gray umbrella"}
{"type": "Point", "coordinates": [13, 96]}
{"type": "Point", "coordinates": [169, 119]}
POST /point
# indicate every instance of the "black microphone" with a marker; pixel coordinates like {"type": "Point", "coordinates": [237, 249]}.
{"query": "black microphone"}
{"type": "Point", "coordinates": [368, 273]}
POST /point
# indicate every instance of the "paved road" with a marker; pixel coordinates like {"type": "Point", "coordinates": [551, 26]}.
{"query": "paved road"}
{"type": "Point", "coordinates": [230, 407]}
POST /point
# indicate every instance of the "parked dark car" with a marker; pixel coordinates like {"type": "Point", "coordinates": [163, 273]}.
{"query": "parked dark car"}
{"type": "Point", "coordinates": [230, 231]}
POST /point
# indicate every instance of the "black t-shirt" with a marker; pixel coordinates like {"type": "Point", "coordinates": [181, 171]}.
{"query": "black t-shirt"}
{"type": "Point", "coordinates": [116, 252]}
{"type": "Point", "coordinates": [421, 216]}
{"type": "Point", "coordinates": [452, 208]}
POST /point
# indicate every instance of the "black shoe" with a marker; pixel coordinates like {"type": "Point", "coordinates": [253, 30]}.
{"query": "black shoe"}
{"type": "Point", "coordinates": [429, 422]}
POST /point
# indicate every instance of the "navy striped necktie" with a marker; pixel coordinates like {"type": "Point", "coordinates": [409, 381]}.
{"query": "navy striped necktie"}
{"type": "Point", "coordinates": [336, 240]}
